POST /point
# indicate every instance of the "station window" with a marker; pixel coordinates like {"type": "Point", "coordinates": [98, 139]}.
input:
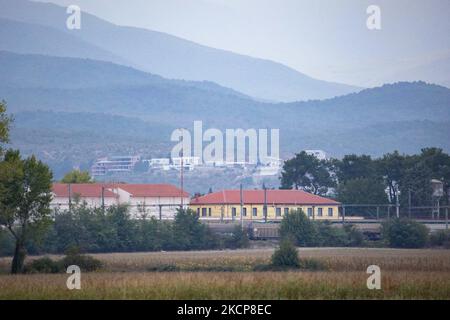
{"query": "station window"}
{"type": "Point", "coordinates": [319, 212]}
{"type": "Point", "coordinates": [198, 211]}
{"type": "Point", "coordinates": [233, 212]}
{"type": "Point", "coordinates": [330, 212]}
{"type": "Point", "coordinates": [203, 212]}
{"type": "Point", "coordinates": [286, 211]}
{"type": "Point", "coordinates": [244, 212]}
{"type": "Point", "coordinates": [209, 212]}
{"type": "Point", "coordinates": [278, 212]}
{"type": "Point", "coordinates": [255, 212]}
{"type": "Point", "coordinates": [310, 213]}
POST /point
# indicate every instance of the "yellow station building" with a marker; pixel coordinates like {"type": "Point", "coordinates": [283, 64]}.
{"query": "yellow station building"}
{"type": "Point", "coordinates": [226, 205]}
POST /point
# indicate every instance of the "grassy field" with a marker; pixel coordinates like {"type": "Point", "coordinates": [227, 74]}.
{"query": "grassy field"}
{"type": "Point", "coordinates": [405, 274]}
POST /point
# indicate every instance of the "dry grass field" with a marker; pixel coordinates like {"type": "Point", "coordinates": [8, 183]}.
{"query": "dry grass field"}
{"type": "Point", "coordinates": [406, 274]}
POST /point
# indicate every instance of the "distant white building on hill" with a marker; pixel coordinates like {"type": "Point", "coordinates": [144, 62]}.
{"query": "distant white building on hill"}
{"type": "Point", "coordinates": [319, 154]}
{"type": "Point", "coordinates": [115, 164]}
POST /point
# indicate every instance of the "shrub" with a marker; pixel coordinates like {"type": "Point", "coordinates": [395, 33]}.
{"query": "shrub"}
{"type": "Point", "coordinates": [7, 243]}
{"type": "Point", "coordinates": [297, 226]}
{"type": "Point", "coordinates": [304, 264]}
{"type": "Point", "coordinates": [404, 233]}
{"type": "Point", "coordinates": [286, 255]}
{"type": "Point", "coordinates": [43, 265]}
{"type": "Point", "coordinates": [86, 263]}
{"type": "Point", "coordinates": [312, 264]}
{"type": "Point", "coordinates": [440, 238]}
{"type": "Point", "coordinates": [163, 268]}
{"type": "Point", "coordinates": [355, 237]}
{"type": "Point", "coordinates": [330, 236]}
{"type": "Point", "coordinates": [238, 239]}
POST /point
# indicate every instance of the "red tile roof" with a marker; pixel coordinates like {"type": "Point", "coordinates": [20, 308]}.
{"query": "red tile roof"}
{"type": "Point", "coordinates": [136, 190]}
{"type": "Point", "coordinates": [295, 197]}
{"type": "Point", "coordinates": [88, 190]}
{"type": "Point", "coordinates": [150, 190]}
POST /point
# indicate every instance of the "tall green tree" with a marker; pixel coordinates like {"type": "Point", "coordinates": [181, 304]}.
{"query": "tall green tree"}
{"type": "Point", "coordinates": [391, 168]}
{"type": "Point", "coordinates": [353, 166]}
{"type": "Point", "coordinates": [77, 176]}
{"type": "Point", "coordinates": [308, 173]}
{"type": "Point", "coordinates": [362, 191]}
{"type": "Point", "coordinates": [5, 122]}
{"type": "Point", "coordinates": [25, 196]}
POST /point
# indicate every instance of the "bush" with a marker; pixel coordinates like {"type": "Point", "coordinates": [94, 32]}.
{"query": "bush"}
{"type": "Point", "coordinates": [308, 233]}
{"type": "Point", "coordinates": [86, 263]}
{"type": "Point", "coordinates": [296, 225]}
{"type": "Point", "coordinates": [355, 238]}
{"type": "Point", "coordinates": [312, 265]}
{"type": "Point", "coordinates": [163, 268]}
{"type": "Point", "coordinates": [238, 239]}
{"type": "Point", "coordinates": [286, 256]}
{"type": "Point", "coordinates": [330, 236]}
{"type": "Point", "coordinates": [404, 233]}
{"type": "Point", "coordinates": [304, 264]}
{"type": "Point", "coordinates": [43, 265]}
{"type": "Point", "coordinates": [7, 243]}
{"type": "Point", "coordinates": [440, 238]}
{"type": "Point", "coordinates": [47, 265]}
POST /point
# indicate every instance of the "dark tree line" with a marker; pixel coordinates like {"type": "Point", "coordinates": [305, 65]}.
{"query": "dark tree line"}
{"type": "Point", "coordinates": [361, 179]}
{"type": "Point", "coordinates": [115, 230]}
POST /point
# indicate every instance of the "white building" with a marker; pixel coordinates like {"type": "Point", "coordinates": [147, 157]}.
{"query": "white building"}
{"type": "Point", "coordinates": [319, 154]}
{"type": "Point", "coordinates": [271, 167]}
{"type": "Point", "coordinates": [159, 163]}
{"type": "Point", "coordinates": [150, 200]}
{"type": "Point", "coordinates": [189, 163]}
{"type": "Point", "coordinates": [115, 164]}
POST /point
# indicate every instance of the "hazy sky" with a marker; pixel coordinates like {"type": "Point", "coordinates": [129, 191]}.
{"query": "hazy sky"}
{"type": "Point", "coordinates": [327, 39]}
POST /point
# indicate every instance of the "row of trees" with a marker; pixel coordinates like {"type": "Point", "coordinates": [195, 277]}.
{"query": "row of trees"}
{"type": "Point", "coordinates": [363, 180]}
{"type": "Point", "coordinates": [114, 230]}
{"type": "Point", "coordinates": [396, 233]}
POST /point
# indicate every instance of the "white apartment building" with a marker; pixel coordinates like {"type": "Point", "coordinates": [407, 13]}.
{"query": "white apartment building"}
{"type": "Point", "coordinates": [115, 164]}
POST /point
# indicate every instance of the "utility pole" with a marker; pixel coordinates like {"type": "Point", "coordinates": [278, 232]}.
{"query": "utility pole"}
{"type": "Point", "coordinates": [182, 171]}
{"type": "Point", "coordinates": [242, 206]}
{"type": "Point", "coordinates": [103, 199]}
{"type": "Point", "coordinates": [343, 214]}
{"type": "Point", "coordinates": [265, 203]}
{"type": "Point", "coordinates": [397, 206]}
{"type": "Point", "coordinates": [69, 189]}
{"type": "Point", "coordinates": [446, 218]}
{"type": "Point", "coordinates": [409, 203]}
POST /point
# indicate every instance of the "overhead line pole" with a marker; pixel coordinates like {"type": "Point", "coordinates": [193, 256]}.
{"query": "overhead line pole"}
{"type": "Point", "coordinates": [242, 207]}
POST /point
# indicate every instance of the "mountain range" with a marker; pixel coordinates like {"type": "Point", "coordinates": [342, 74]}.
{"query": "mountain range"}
{"type": "Point", "coordinates": [78, 95]}
{"type": "Point", "coordinates": [41, 28]}
{"type": "Point", "coordinates": [104, 107]}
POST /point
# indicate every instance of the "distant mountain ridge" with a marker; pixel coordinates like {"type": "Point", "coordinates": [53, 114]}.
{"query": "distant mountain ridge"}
{"type": "Point", "coordinates": [154, 52]}
{"type": "Point", "coordinates": [47, 92]}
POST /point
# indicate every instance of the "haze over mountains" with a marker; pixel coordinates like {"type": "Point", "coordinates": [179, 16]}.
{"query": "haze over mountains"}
{"type": "Point", "coordinates": [76, 97]}
{"type": "Point", "coordinates": [325, 39]}
{"type": "Point", "coordinates": [155, 52]}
